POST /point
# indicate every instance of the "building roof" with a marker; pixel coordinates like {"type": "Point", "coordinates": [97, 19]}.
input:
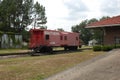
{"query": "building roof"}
{"type": "Point", "coordinates": [114, 21]}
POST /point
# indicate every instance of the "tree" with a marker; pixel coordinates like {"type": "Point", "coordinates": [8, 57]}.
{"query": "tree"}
{"type": "Point", "coordinates": [15, 15]}
{"type": "Point", "coordinates": [92, 21]}
{"type": "Point", "coordinates": [4, 15]}
{"type": "Point", "coordinates": [75, 28]}
{"type": "Point", "coordinates": [88, 34]}
{"type": "Point", "coordinates": [40, 18]}
{"type": "Point", "coordinates": [85, 34]}
{"type": "Point", "coordinates": [104, 17]}
{"type": "Point", "coordinates": [60, 29]}
{"type": "Point", "coordinates": [98, 33]}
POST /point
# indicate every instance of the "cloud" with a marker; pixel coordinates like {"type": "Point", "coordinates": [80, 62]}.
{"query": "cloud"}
{"type": "Point", "coordinates": [76, 5]}
{"type": "Point", "coordinates": [66, 13]}
{"type": "Point", "coordinates": [76, 9]}
{"type": "Point", "coordinates": [110, 7]}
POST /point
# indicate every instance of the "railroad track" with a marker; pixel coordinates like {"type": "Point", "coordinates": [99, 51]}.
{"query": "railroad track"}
{"type": "Point", "coordinates": [13, 55]}
{"type": "Point", "coordinates": [24, 54]}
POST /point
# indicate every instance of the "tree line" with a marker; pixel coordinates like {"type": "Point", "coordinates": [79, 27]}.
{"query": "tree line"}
{"type": "Point", "coordinates": [16, 15]}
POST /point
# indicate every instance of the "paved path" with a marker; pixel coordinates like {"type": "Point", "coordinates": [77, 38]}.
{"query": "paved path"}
{"type": "Point", "coordinates": [105, 67]}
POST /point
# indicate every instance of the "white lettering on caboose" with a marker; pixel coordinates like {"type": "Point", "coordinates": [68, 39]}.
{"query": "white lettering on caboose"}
{"type": "Point", "coordinates": [51, 33]}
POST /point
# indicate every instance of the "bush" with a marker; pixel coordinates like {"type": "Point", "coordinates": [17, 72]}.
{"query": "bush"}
{"type": "Point", "coordinates": [117, 46]}
{"type": "Point", "coordinates": [1, 32]}
{"type": "Point", "coordinates": [103, 48]}
{"type": "Point", "coordinates": [107, 48]}
{"type": "Point", "coordinates": [97, 48]}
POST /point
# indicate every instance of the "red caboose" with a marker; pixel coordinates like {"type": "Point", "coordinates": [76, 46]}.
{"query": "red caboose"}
{"type": "Point", "coordinates": [44, 40]}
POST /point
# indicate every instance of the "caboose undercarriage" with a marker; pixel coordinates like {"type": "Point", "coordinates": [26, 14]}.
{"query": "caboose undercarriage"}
{"type": "Point", "coordinates": [49, 49]}
{"type": "Point", "coordinates": [43, 49]}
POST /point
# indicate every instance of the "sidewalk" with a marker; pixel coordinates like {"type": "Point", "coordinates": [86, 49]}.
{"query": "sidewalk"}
{"type": "Point", "coordinates": [104, 67]}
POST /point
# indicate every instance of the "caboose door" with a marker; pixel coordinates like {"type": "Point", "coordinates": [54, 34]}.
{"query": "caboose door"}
{"type": "Point", "coordinates": [38, 38]}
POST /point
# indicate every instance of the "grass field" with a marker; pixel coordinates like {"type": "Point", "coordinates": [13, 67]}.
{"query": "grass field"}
{"type": "Point", "coordinates": [7, 51]}
{"type": "Point", "coordinates": [40, 67]}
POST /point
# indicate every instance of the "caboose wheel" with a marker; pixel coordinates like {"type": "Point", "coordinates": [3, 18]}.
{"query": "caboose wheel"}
{"type": "Point", "coordinates": [50, 49]}
{"type": "Point", "coordinates": [72, 47]}
{"type": "Point", "coordinates": [36, 50]}
{"type": "Point", "coordinates": [65, 48]}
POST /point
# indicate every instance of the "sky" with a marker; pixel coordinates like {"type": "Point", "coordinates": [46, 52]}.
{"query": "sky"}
{"type": "Point", "coordinates": [66, 13]}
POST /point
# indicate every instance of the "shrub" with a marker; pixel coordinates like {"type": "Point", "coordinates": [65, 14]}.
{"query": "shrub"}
{"type": "Point", "coordinates": [103, 48]}
{"type": "Point", "coordinates": [1, 32]}
{"type": "Point", "coordinates": [97, 48]}
{"type": "Point", "coordinates": [117, 46]}
{"type": "Point", "coordinates": [107, 48]}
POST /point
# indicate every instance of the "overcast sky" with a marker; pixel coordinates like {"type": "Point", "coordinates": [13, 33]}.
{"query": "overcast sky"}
{"type": "Point", "coordinates": [66, 13]}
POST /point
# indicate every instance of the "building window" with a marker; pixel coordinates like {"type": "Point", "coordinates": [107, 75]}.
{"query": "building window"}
{"type": "Point", "coordinates": [47, 37]}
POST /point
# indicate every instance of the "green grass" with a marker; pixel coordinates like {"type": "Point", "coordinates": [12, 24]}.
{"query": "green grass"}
{"type": "Point", "coordinates": [6, 51]}
{"type": "Point", "coordinates": [84, 47]}
{"type": "Point", "coordinates": [40, 67]}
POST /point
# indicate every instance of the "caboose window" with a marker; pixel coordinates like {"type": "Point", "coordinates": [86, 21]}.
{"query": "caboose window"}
{"type": "Point", "coordinates": [65, 37]}
{"type": "Point", "coordinates": [61, 37]}
{"type": "Point", "coordinates": [77, 38]}
{"type": "Point", "coordinates": [47, 37]}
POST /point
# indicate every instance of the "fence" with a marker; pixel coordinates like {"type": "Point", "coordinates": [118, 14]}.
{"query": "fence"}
{"type": "Point", "coordinates": [10, 40]}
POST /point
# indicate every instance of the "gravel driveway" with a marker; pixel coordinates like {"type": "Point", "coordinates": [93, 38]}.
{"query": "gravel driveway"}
{"type": "Point", "coordinates": [104, 67]}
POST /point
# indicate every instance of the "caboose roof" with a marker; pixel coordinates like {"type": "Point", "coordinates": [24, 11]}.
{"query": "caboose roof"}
{"type": "Point", "coordinates": [63, 32]}
{"type": "Point", "coordinates": [114, 21]}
